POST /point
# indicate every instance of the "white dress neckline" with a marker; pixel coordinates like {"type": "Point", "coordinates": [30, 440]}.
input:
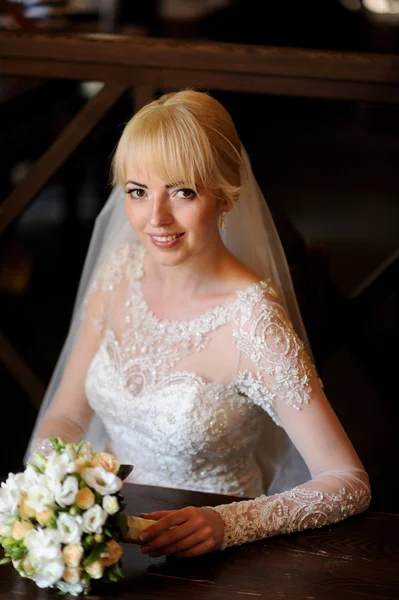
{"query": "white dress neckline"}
{"type": "Point", "coordinates": [212, 314]}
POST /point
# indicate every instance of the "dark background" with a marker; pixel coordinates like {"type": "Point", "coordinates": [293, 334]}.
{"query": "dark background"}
{"type": "Point", "coordinates": [328, 168]}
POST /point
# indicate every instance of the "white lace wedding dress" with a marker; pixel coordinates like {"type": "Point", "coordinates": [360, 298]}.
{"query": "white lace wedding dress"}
{"type": "Point", "coordinates": [184, 401]}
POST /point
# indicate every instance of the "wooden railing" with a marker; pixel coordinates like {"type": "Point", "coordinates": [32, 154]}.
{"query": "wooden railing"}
{"type": "Point", "coordinates": [146, 64]}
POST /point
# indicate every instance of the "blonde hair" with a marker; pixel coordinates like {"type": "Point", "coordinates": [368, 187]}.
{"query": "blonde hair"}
{"type": "Point", "coordinates": [185, 137]}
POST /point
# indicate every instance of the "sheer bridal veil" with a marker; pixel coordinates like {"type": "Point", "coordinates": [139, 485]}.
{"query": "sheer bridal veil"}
{"type": "Point", "coordinates": [252, 237]}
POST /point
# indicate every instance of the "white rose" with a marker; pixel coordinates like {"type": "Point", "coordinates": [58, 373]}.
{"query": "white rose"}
{"type": "Point", "coordinates": [10, 496]}
{"type": "Point", "coordinates": [43, 545]}
{"type": "Point", "coordinates": [104, 482]}
{"type": "Point", "coordinates": [58, 466]}
{"type": "Point", "coordinates": [40, 496]}
{"type": "Point", "coordinates": [27, 479]}
{"type": "Point", "coordinates": [74, 589]}
{"type": "Point", "coordinates": [5, 530]}
{"type": "Point", "coordinates": [94, 519]}
{"type": "Point", "coordinates": [6, 523]}
{"type": "Point", "coordinates": [69, 528]}
{"type": "Point", "coordinates": [48, 573]}
{"type": "Point", "coordinates": [110, 504]}
{"type": "Point", "coordinates": [66, 494]}
{"type": "Point", "coordinates": [95, 570]}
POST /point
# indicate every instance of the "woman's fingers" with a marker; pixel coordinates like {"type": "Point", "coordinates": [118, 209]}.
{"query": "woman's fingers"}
{"type": "Point", "coordinates": [164, 523]}
{"type": "Point", "coordinates": [201, 548]}
{"type": "Point", "coordinates": [179, 531]}
{"type": "Point", "coordinates": [185, 541]}
{"type": "Point", "coordinates": [156, 515]}
{"type": "Point", "coordinates": [170, 529]}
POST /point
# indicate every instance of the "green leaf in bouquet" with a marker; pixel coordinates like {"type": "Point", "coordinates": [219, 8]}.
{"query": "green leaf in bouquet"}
{"type": "Point", "coordinates": [118, 570]}
{"type": "Point", "coordinates": [124, 471]}
{"type": "Point", "coordinates": [39, 462]}
{"type": "Point", "coordinates": [15, 552]}
{"type": "Point", "coordinates": [107, 532]}
{"type": "Point", "coordinates": [58, 444]}
{"type": "Point", "coordinates": [98, 552]}
{"type": "Point", "coordinates": [5, 560]}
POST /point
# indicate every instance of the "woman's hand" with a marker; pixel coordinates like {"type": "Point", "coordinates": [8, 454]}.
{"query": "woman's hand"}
{"type": "Point", "coordinates": [187, 532]}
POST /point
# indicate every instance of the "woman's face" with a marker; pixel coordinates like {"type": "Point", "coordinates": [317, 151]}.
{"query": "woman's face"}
{"type": "Point", "coordinates": [174, 223]}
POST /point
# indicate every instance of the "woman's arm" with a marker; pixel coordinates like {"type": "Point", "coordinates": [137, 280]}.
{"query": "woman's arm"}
{"type": "Point", "coordinates": [69, 414]}
{"type": "Point", "coordinates": [276, 374]}
{"type": "Point", "coordinates": [339, 487]}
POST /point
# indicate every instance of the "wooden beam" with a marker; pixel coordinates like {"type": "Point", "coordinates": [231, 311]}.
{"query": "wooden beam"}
{"type": "Point", "coordinates": [172, 54]}
{"type": "Point", "coordinates": [74, 133]}
{"type": "Point", "coordinates": [153, 78]}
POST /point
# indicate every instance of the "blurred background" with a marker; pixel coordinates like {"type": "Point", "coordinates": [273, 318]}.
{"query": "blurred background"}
{"type": "Point", "coordinates": [328, 168]}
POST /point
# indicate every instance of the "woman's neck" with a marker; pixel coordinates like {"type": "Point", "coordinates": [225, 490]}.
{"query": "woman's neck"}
{"type": "Point", "coordinates": [201, 274]}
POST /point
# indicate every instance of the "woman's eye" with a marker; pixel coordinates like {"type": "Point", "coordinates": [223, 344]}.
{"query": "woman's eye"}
{"type": "Point", "coordinates": [185, 193]}
{"type": "Point", "coordinates": [136, 193]}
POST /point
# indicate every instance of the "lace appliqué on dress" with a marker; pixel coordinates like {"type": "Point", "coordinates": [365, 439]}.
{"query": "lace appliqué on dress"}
{"type": "Point", "coordinates": [106, 281]}
{"type": "Point", "coordinates": [278, 370]}
{"type": "Point", "coordinates": [41, 446]}
{"type": "Point", "coordinates": [295, 510]}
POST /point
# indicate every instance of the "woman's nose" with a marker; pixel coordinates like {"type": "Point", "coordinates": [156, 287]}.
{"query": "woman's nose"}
{"type": "Point", "coordinates": [160, 214]}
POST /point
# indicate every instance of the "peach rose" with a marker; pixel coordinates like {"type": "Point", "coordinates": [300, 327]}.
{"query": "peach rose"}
{"type": "Point", "coordinates": [106, 460]}
{"type": "Point", "coordinates": [85, 498]}
{"type": "Point", "coordinates": [25, 509]}
{"type": "Point", "coordinates": [20, 529]}
{"type": "Point", "coordinates": [44, 516]}
{"type": "Point", "coordinates": [80, 464]}
{"type": "Point", "coordinates": [72, 574]}
{"type": "Point", "coordinates": [114, 554]}
{"type": "Point", "coordinates": [72, 554]}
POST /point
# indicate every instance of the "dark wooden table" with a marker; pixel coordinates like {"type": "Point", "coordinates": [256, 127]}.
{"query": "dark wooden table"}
{"type": "Point", "coordinates": [354, 560]}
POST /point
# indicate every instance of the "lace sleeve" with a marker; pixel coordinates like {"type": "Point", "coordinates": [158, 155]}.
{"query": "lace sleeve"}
{"type": "Point", "coordinates": [107, 280]}
{"type": "Point", "coordinates": [276, 374]}
{"type": "Point", "coordinates": [329, 498]}
{"type": "Point", "coordinates": [69, 414]}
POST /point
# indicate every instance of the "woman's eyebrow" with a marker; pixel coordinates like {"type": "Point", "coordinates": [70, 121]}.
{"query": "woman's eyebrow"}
{"type": "Point", "coordinates": [167, 186]}
{"type": "Point", "coordinates": [138, 184]}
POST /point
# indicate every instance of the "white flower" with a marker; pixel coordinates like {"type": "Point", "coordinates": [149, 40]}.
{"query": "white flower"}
{"type": "Point", "coordinates": [69, 528]}
{"type": "Point", "coordinates": [94, 519]}
{"type": "Point", "coordinates": [101, 480]}
{"type": "Point", "coordinates": [66, 494]}
{"type": "Point", "coordinates": [95, 570]}
{"type": "Point", "coordinates": [48, 573]}
{"type": "Point", "coordinates": [43, 545]}
{"type": "Point", "coordinates": [58, 466]}
{"type": "Point", "coordinates": [40, 494]}
{"type": "Point", "coordinates": [110, 504]}
{"type": "Point", "coordinates": [74, 589]}
{"type": "Point", "coordinates": [6, 522]}
{"type": "Point", "coordinates": [5, 530]}
{"type": "Point", "coordinates": [27, 479]}
{"type": "Point", "coordinates": [10, 496]}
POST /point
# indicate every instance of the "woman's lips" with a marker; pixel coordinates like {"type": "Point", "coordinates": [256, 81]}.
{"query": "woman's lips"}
{"type": "Point", "coordinates": [166, 241]}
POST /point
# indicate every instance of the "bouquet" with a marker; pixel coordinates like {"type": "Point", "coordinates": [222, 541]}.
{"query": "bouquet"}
{"type": "Point", "coordinates": [60, 519]}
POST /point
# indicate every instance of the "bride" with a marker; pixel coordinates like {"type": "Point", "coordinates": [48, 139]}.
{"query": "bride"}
{"type": "Point", "coordinates": [187, 356]}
